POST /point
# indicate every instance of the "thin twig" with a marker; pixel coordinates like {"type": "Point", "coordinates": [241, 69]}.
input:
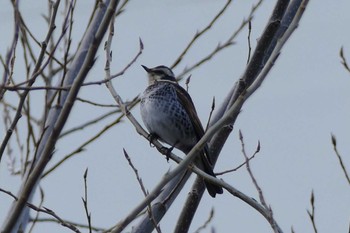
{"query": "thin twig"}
{"type": "Point", "coordinates": [85, 201]}
{"type": "Point", "coordinates": [261, 196]}
{"type": "Point", "coordinates": [236, 168]}
{"type": "Point", "coordinates": [34, 221]}
{"type": "Point", "coordinates": [257, 187]}
{"type": "Point", "coordinates": [88, 123]}
{"type": "Point", "coordinates": [81, 148]}
{"type": "Point", "coordinates": [342, 165]}
{"type": "Point", "coordinates": [25, 30]}
{"type": "Point", "coordinates": [144, 191]}
{"type": "Point", "coordinates": [80, 225]}
{"type": "Point", "coordinates": [312, 212]}
{"type": "Point", "coordinates": [200, 33]}
{"type": "Point", "coordinates": [120, 10]}
{"type": "Point", "coordinates": [138, 178]}
{"type": "Point", "coordinates": [206, 223]}
{"type": "Point", "coordinates": [221, 46]}
{"type": "Point", "coordinates": [96, 104]}
{"type": "Point", "coordinates": [249, 45]}
{"type": "Point", "coordinates": [32, 88]}
{"type": "Point", "coordinates": [211, 113]}
{"type": "Point", "coordinates": [188, 80]}
{"type": "Point", "coordinates": [343, 59]}
{"type": "Point", "coordinates": [46, 211]}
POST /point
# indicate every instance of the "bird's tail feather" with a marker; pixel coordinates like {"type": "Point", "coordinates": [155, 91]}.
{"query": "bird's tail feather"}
{"type": "Point", "coordinates": [204, 165]}
{"type": "Point", "coordinates": [213, 189]}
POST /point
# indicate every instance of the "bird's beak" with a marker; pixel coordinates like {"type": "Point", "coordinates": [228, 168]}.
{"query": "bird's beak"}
{"type": "Point", "coordinates": [146, 68]}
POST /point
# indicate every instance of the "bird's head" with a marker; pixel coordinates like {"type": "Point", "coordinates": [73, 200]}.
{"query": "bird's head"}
{"type": "Point", "coordinates": [159, 73]}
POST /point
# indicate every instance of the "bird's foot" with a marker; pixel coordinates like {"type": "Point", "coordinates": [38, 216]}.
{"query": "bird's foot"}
{"type": "Point", "coordinates": [151, 137]}
{"type": "Point", "coordinates": [167, 151]}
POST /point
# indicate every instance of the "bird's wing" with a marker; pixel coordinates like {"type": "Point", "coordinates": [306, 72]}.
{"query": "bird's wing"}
{"type": "Point", "coordinates": [187, 103]}
{"type": "Point", "coordinates": [203, 162]}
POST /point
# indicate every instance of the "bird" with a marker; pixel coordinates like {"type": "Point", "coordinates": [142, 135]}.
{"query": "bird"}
{"type": "Point", "coordinates": [169, 114]}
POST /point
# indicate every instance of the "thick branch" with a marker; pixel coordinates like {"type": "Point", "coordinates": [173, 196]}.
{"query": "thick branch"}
{"type": "Point", "coordinates": [266, 52]}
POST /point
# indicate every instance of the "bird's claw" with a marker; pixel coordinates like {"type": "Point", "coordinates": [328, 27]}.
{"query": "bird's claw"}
{"type": "Point", "coordinates": [151, 137]}
{"type": "Point", "coordinates": [164, 150]}
{"type": "Point", "coordinates": [167, 151]}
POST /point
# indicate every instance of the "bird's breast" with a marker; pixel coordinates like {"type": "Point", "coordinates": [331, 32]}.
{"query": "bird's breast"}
{"type": "Point", "coordinates": [164, 115]}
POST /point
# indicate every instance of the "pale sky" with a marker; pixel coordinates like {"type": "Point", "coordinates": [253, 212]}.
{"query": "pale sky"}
{"type": "Point", "coordinates": [304, 99]}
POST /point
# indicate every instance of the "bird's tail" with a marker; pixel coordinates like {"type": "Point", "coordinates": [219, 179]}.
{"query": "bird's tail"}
{"type": "Point", "coordinates": [204, 165]}
{"type": "Point", "coordinates": [213, 189]}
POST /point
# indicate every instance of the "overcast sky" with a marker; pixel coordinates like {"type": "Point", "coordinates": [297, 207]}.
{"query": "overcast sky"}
{"type": "Point", "coordinates": [304, 99]}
